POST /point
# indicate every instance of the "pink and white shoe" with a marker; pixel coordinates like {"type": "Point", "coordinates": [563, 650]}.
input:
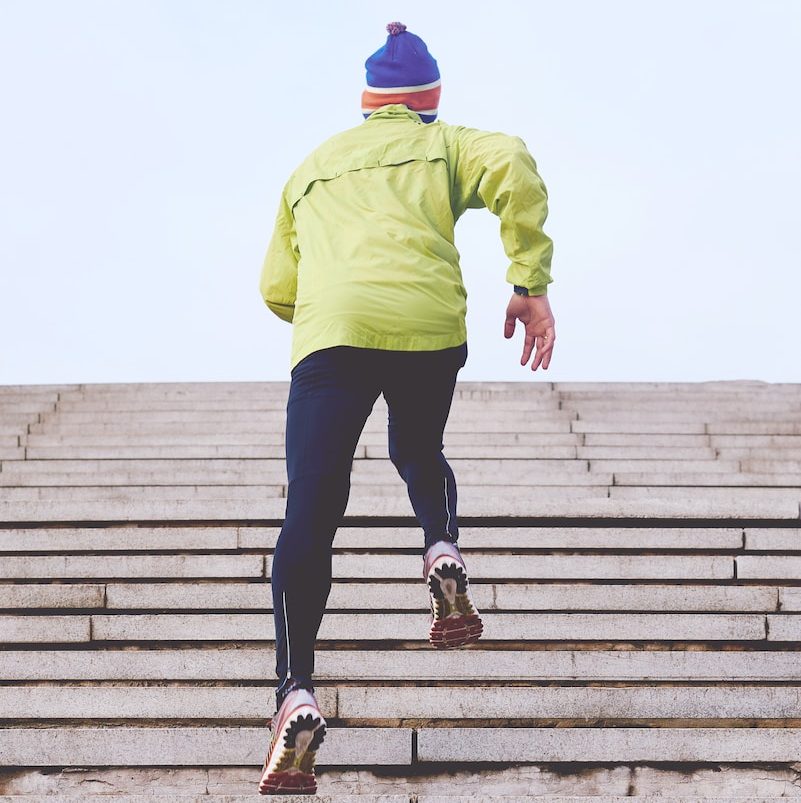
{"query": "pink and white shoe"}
{"type": "Point", "coordinates": [456, 622]}
{"type": "Point", "coordinates": [297, 731]}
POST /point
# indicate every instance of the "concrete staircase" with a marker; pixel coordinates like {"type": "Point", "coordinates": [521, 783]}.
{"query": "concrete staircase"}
{"type": "Point", "coordinates": [634, 550]}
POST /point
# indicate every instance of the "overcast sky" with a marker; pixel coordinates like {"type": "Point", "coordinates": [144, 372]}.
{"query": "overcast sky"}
{"type": "Point", "coordinates": [144, 146]}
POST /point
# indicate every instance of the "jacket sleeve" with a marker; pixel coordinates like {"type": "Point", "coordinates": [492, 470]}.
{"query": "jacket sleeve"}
{"type": "Point", "coordinates": [496, 171]}
{"type": "Point", "coordinates": [279, 274]}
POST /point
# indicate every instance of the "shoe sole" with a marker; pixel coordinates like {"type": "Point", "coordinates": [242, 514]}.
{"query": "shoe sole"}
{"type": "Point", "coordinates": [456, 621]}
{"type": "Point", "coordinates": [297, 745]}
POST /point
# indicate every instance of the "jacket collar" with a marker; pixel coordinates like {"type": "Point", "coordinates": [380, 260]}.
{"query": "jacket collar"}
{"type": "Point", "coordinates": [395, 111]}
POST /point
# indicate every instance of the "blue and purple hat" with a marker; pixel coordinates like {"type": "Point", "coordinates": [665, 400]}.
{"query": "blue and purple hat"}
{"type": "Point", "coordinates": [402, 71]}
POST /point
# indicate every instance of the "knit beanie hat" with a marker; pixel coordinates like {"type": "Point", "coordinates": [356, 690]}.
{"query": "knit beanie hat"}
{"type": "Point", "coordinates": [402, 71]}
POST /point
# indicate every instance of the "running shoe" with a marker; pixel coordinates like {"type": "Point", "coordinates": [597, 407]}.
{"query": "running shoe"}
{"type": "Point", "coordinates": [455, 619]}
{"type": "Point", "coordinates": [297, 730]}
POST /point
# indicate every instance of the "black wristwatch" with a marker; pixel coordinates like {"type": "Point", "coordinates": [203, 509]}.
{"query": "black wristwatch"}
{"type": "Point", "coordinates": [521, 291]}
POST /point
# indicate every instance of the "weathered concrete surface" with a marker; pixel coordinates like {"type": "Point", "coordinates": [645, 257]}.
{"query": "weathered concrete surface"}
{"type": "Point", "coordinates": [572, 703]}
{"type": "Point", "coordinates": [185, 746]}
{"type": "Point", "coordinates": [54, 566]}
{"type": "Point", "coordinates": [540, 537]}
{"type": "Point", "coordinates": [477, 505]}
{"type": "Point", "coordinates": [149, 702]}
{"type": "Point", "coordinates": [332, 666]}
{"type": "Point", "coordinates": [667, 630]}
{"type": "Point", "coordinates": [372, 596]}
{"type": "Point", "coordinates": [592, 784]}
{"type": "Point", "coordinates": [610, 744]}
{"type": "Point", "coordinates": [551, 567]}
{"type": "Point", "coordinates": [685, 538]}
{"type": "Point", "coordinates": [415, 627]}
{"type": "Point", "coordinates": [393, 702]}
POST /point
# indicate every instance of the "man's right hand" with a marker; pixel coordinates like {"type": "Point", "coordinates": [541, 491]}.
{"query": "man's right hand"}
{"type": "Point", "coordinates": [535, 314]}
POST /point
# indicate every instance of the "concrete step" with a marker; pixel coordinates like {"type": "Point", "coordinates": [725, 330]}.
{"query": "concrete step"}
{"type": "Point", "coordinates": [668, 394]}
{"type": "Point", "coordinates": [132, 493]}
{"type": "Point", "coordinates": [639, 427]}
{"type": "Point", "coordinates": [511, 627]}
{"type": "Point", "coordinates": [458, 419]}
{"type": "Point", "coordinates": [25, 392]}
{"type": "Point", "coordinates": [638, 453]}
{"type": "Point", "coordinates": [744, 391]}
{"type": "Point", "coordinates": [481, 566]}
{"type": "Point", "coordinates": [357, 747]}
{"type": "Point", "coordinates": [25, 408]}
{"type": "Point", "coordinates": [744, 453]}
{"type": "Point", "coordinates": [672, 391]}
{"type": "Point", "coordinates": [468, 434]}
{"type": "Point", "coordinates": [205, 797]}
{"type": "Point", "coordinates": [487, 597]}
{"type": "Point", "coordinates": [125, 493]}
{"type": "Point", "coordinates": [202, 452]}
{"type": "Point", "coordinates": [609, 744]}
{"type": "Point", "coordinates": [391, 798]}
{"type": "Point", "coordinates": [276, 451]}
{"type": "Point", "coordinates": [17, 420]}
{"type": "Point", "coordinates": [729, 510]}
{"type": "Point", "coordinates": [779, 539]}
{"type": "Point", "coordinates": [230, 436]}
{"type": "Point", "coordinates": [785, 626]}
{"type": "Point", "coordinates": [332, 666]}
{"type": "Point", "coordinates": [71, 539]}
{"type": "Point", "coordinates": [278, 402]}
{"type": "Point", "coordinates": [687, 411]}
{"type": "Point", "coordinates": [690, 492]}
{"type": "Point", "coordinates": [790, 430]}
{"type": "Point", "coordinates": [753, 466]}
{"type": "Point", "coordinates": [753, 441]}
{"type": "Point", "coordinates": [404, 596]}
{"type": "Point", "coordinates": [377, 449]}
{"type": "Point", "coordinates": [703, 479]}
{"type": "Point", "coordinates": [631, 439]}
{"type": "Point", "coordinates": [508, 596]}
{"type": "Point", "coordinates": [65, 566]}
{"type": "Point", "coordinates": [382, 482]}
{"type": "Point", "coordinates": [777, 567]}
{"type": "Point", "coordinates": [278, 466]}
{"type": "Point", "coordinates": [382, 472]}
{"type": "Point", "coordinates": [377, 703]}
{"type": "Point", "coordinates": [707, 466]}
{"type": "Point", "coordinates": [184, 746]}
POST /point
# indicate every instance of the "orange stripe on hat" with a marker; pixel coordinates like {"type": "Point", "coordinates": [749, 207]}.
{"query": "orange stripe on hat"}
{"type": "Point", "coordinates": [417, 101]}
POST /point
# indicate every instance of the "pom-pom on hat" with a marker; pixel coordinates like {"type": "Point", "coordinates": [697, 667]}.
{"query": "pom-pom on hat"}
{"type": "Point", "coordinates": [402, 71]}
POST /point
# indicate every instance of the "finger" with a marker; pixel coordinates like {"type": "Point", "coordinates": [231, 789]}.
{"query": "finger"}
{"type": "Point", "coordinates": [509, 326]}
{"type": "Point", "coordinates": [535, 363]}
{"type": "Point", "coordinates": [544, 351]}
{"type": "Point", "coordinates": [528, 346]}
{"type": "Point", "coordinates": [547, 358]}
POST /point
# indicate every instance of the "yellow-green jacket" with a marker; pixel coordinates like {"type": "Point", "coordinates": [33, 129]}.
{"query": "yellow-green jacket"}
{"type": "Point", "coordinates": [363, 249]}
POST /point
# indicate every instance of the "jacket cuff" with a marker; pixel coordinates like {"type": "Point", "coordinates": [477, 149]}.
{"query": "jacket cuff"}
{"type": "Point", "coordinates": [286, 312]}
{"type": "Point", "coordinates": [533, 278]}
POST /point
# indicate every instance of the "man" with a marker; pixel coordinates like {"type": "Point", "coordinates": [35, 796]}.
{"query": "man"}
{"type": "Point", "coordinates": [362, 262]}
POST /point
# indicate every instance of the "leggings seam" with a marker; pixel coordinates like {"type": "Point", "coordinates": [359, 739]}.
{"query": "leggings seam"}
{"type": "Point", "coordinates": [286, 631]}
{"type": "Point", "coordinates": [447, 507]}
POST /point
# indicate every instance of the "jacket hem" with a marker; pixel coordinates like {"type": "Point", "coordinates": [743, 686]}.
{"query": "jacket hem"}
{"type": "Point", "coordinates": [386, 343]}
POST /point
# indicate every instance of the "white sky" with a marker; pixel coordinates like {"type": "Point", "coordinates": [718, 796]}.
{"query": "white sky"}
{"type": "Point", "coordinates": [144, 146]}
